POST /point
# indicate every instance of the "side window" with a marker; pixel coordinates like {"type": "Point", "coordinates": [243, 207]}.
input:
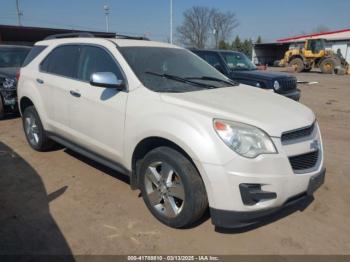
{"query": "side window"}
{"type": "Point", "coordinates": [212, 59]}
{"type": "Point", "coordinates": [95, 59]}
{"type": "Point", "coordinates": [62, 61]}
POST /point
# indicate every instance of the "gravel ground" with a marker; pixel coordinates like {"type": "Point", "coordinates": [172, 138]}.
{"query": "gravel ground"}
{"type": "Point", "coordinates": [61, 203]}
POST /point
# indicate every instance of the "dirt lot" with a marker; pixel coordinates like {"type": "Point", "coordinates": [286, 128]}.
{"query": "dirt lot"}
{"type": "Point", "coordinates": [60, 202]}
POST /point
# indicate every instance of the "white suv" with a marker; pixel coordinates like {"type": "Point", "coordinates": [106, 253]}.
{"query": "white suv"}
{"type": "Point", "coordinates": [187, 136]}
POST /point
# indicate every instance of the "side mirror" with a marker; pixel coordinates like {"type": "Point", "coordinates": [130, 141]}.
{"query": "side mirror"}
{"type": "Point", "coordinates": [106, 79]}
{"type": "Point", "coordinates": [219, 68]}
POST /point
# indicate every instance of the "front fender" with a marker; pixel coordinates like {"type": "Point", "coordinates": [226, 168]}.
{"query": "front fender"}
{"type": "Point", "coordinates": [191, 131]}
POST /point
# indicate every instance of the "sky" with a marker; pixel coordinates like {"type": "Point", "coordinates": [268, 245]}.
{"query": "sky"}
{"type": "Point", "coordinates": [272, 19]}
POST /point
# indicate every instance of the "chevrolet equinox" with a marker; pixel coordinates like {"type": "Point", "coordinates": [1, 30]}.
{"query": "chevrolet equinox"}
{"type": "Point", "coordinates": [189, 137]}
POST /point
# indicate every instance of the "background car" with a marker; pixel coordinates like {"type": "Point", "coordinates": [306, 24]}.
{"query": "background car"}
{"type": "Point", "coordinates": [238, 67]}
{"type": "Point", "coordinates": [11, 59]}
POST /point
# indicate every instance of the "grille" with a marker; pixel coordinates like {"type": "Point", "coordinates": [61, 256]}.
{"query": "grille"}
{"type": "Point", "coordinates": [297, 134]}
{"type": "Point", "coordinates": [305, 161]}
{"type": "Point", "coordinates": [287, 84]}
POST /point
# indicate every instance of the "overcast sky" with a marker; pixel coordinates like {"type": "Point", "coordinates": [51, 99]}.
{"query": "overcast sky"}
{"type": "Point", "coordinates": [272, 19]}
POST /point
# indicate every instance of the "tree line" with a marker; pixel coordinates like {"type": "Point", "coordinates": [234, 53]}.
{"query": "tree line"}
{"type": "Point", "coordinates": [244, 46]}
{"type": "Point", "coordinates": [205, 27]}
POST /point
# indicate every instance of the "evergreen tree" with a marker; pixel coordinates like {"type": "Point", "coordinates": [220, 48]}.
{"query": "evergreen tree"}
{"type": "Point", "coordinates": [259, 40]}
{"type": "Point", "coordinates": [223, 45]}
{"type": "Point", "coordinates": [237, 44]}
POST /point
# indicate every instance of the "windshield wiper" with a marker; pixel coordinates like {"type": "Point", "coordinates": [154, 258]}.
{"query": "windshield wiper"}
{"type": "Point", "coordinates": [182, 80]}
{"type": "Point", "coordinates": [209, 78]}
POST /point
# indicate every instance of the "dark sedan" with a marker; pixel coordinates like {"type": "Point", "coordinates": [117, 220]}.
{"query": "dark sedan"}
{"type": "Point", "coordinates": [239, 68]}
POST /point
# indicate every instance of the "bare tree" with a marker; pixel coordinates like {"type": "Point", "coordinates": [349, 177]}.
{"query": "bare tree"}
{"type": "Point", "coordinates": [222, 25]}
{"type": "Point", "coordinates": [195, 29]}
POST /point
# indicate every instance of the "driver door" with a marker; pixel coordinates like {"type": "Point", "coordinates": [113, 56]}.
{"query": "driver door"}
{"type": "Point", "coordinates": [97, 114]}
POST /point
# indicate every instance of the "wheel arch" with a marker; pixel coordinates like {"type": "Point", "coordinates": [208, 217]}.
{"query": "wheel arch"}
{"type": "Point", "coordinates": [24, 103]}
{"type": "Point", "coordinates": [145, 146]}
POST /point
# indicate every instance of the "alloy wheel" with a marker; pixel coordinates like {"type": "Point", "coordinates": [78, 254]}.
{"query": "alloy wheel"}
{"type": "Point", "coordinates": [164, 189]}
{"type": "Point", "coordinates": [31, 129]}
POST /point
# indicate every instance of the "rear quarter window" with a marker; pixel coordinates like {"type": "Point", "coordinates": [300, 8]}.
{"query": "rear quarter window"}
{"type": "Point", "coordinates": [62, 61]}
{"type": "Point", "coordinates": [34, 52]}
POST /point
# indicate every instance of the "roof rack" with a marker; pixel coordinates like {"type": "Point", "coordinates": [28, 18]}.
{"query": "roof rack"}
{"type": "Point", "coordinates": [88, 34]}
{"type": "Point", "coordinates": [132, 37]}
{"type": "Point", "coordinates": [66, 35]}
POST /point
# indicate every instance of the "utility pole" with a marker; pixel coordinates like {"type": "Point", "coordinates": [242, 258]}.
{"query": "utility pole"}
{"type": "Point", "coordinates": [19, 13]}
{"type": "Point", "coordinates": [171, 21]}
{"type": "Point", "coordinates": [106, 8]}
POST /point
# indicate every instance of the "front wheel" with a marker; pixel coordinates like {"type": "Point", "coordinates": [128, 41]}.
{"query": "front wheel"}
{"type": "Point", "coordinates": [297, 64]}
{"type": "Point", "coordinates": [172, 188]}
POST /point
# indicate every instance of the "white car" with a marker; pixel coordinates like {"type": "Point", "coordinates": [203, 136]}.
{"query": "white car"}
{"type": "Point", "coordinates": [188, 137]}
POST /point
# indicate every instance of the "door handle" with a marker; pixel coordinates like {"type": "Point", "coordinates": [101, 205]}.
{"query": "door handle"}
{"type": "Point", "coordinates": [40, 81]}
{"type": "Point", "coordinates": [74, 93]}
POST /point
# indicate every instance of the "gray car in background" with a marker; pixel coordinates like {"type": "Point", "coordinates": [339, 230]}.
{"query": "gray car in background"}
{"type": "Point", "coordinates": [11, 59]}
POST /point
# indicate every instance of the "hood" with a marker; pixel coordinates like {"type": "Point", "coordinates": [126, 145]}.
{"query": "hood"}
{"type": "Point", "coordinates": [270, 112]}
{"type": "Point", "coordinates": [261, 75]}
{"type": "Point", "coordinates": [8, 71]}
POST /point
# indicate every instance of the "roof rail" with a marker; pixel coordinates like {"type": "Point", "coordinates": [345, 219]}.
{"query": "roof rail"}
{"type": "Point", "coordinates": [132, 37]}
{"type": "Point", "coordinates": [97, 34]}
{"type": "Point", "coordinates": [66, 35]}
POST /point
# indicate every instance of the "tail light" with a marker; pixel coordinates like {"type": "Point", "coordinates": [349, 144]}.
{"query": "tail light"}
{"type": "Point", "coordinates": [18, 74]}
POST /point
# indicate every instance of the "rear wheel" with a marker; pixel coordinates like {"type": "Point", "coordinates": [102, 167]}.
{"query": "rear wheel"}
{"type": "Point", "coordinates": [327, 66]}
{"type": "Point", "coordinates": [2, 109]}
{"type": "Point", "coordinates": [172, 188]}
{"type": "Point", "coordinates": [34, 131]}
{"type": "Point", "coordinates": [297, 64]}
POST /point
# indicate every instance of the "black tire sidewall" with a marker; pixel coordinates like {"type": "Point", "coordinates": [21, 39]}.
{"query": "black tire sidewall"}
{"type": "Point", "coordinates": [31, 111]}
{"type": "Point", "coordinates": [193, 186]}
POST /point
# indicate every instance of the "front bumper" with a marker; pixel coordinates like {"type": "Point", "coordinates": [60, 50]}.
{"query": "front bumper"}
{"type": "Point", "coordinates": [9, 97]}
{"type": "Point", "coordinates": [264, 184]}
{"type": "Point", "coordinates": [234, 219]}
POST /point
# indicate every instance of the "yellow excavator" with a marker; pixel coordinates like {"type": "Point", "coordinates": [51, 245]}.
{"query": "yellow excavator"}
{"type": "Point", "coordinates": [314, 55]}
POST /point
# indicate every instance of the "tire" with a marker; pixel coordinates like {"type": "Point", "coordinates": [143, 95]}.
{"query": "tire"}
{"type": "Point", "coordinates": [2, 109]}
{"type": "Point", "coordinates": [297, 64]}
{"type": "Point", "coordinates": [327, 66]}
{"type": "Point", "coordinates": [34, 131]}
{"type": "Point", "coordinates": [183, 180]}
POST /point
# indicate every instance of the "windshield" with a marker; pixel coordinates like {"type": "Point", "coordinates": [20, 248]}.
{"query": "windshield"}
{"type": "Point", "coordinates": [172, 69]}
{"type": "Point", "coordinates": [238, 61]}
{"type": "Point", "coordinates": [10, 57]}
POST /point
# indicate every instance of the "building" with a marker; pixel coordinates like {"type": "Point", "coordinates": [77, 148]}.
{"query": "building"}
{"type": "Point", "coordinates": [23, 35]}
{"type": "Point", "coordinates": [268, 53]}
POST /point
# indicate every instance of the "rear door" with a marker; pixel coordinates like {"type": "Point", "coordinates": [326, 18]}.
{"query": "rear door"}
{"type": "Point", "coordinates": [57, 78]}
{"type": "Point", "coordinates": [97, 114]}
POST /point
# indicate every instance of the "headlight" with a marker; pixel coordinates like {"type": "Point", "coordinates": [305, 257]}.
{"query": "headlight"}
{"type": "Point", "coordinates": [9, 83]}
{"type": "Point", "coordinates": [246, 140]}
{"type": "Point", "coordinates": [258, 84]}
{"type": "Point", "coordinates": [276, 85]}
